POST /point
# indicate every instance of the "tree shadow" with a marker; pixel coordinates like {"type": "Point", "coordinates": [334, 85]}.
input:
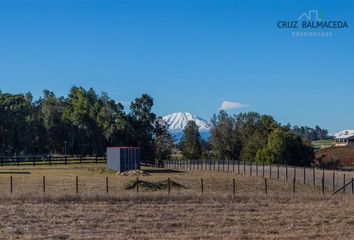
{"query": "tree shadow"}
{"type": "Point", "coordinates": [162, 170]}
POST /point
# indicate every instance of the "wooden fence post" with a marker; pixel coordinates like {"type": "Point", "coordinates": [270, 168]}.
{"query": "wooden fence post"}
{"type": "Point", "coordinates": [137, 185]}
{"type": "Point", "coordinates": [304, 175]}
{"type": "Point", "coordinates": [278, 171]}
{"type": "Point", "coordinates": [238, 167]}
{"type": "Point", "coordinates": [234, 185]}
{"type": "Point", "coordinates": [294, 182]}
{"type": "Point", "coordinates": [106, 184]}
{"type": "Point", "coordinates": [233, 166]}
{"type": "Point", "coordinates": [322, 186]}
{"type": "Point", "coordinates": [265, 186]}
{"type": "Point", "coordinates": [286, 172]}
{"type": "Point", "coordinates": [270, 171]}
{"type": "Point", "coordinates": [202, 185]}
{"type": "Point", "coordinates": [43, 181]}
{"type": "Point", "coordinates": [169, 185]}
{"type": "Point", "coordinates": [77, 184]}
{"type": "Point", "coordinates": [244, 167]}
{"type": "Point", "coordinates": [10, 184]}
{"type": "Point", "coordinates": [263, 170]}
{"type": "Point", "coordinates": [344, 183]}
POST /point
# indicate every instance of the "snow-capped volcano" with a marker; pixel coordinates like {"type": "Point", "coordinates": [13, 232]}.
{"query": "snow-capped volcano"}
{"type": "Point", "coordinates": [178, 121]}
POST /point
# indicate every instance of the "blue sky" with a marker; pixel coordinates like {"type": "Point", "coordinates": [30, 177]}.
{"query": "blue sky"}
{"type": "Point", "coordinates": [189, 55]}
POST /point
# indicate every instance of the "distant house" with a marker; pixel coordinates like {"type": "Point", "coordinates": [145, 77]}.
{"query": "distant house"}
{"type": "Point", "coordinates": [345, 140]}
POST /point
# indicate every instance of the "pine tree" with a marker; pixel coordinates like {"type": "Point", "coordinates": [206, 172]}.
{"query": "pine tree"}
{"type": "Point", "coordinates": [163, 140]}
{"type": "Point", "coordinates": [190, 143]}
{"type": "Point", "coordinates": [143, 120]}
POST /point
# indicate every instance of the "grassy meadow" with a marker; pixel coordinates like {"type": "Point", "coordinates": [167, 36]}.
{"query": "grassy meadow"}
{"type": "Point", "coordinates": [61, 179]}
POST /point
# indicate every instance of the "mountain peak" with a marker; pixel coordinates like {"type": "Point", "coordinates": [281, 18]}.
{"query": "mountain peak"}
{"type": "Point", "coordinates": [178, 121]}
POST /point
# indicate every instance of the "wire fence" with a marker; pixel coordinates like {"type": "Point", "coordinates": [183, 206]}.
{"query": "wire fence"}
{"type": "Point", "coordinates": [50, 160]}
{"type": "Point", "coordinates": [324, 179]}
{"type": "Point", "coordinates": [330, 180]}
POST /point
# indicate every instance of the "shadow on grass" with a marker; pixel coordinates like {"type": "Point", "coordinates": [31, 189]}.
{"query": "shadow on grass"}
{"type": "Point", "coordinates": [154, 186]}
{"type": "Point", "coordinates": [162, 170]}
{"type": "Point", "coordinates": [7, 172]}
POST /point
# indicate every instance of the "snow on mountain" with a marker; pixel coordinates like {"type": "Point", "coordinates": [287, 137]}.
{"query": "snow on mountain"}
{"type": "Point", "coordinates": [178, 121]}
{"type": "Point", "coordinates": [344, 133]}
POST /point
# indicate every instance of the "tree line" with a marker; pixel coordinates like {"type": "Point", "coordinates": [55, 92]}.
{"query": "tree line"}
{"type": "Point", "coordinates": [83, 122]}
{"type": "Point", "coordinates": [311, 134]}
{"type": "Point", "coordinates": [249, 137]}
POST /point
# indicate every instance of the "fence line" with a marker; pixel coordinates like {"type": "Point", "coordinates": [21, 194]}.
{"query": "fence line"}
{"type": "Point", "coordinates": [105, 186]}
{"type": "Point", "coordinates": [322, 179]}
{"type": "Point", "coordinates": [50, 160]}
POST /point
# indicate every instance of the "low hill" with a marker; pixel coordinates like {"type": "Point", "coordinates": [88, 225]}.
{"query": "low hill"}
{"type": "Point", "coordinates": [345, 155]}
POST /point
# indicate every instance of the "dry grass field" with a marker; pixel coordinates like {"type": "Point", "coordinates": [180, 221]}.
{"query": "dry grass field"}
{"type": "Point", "coordinates": [61, 179]}
{"type": "Point", "coordinates": [246, 216]}
{"type": "Point", "coordinates": [60, 213]}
